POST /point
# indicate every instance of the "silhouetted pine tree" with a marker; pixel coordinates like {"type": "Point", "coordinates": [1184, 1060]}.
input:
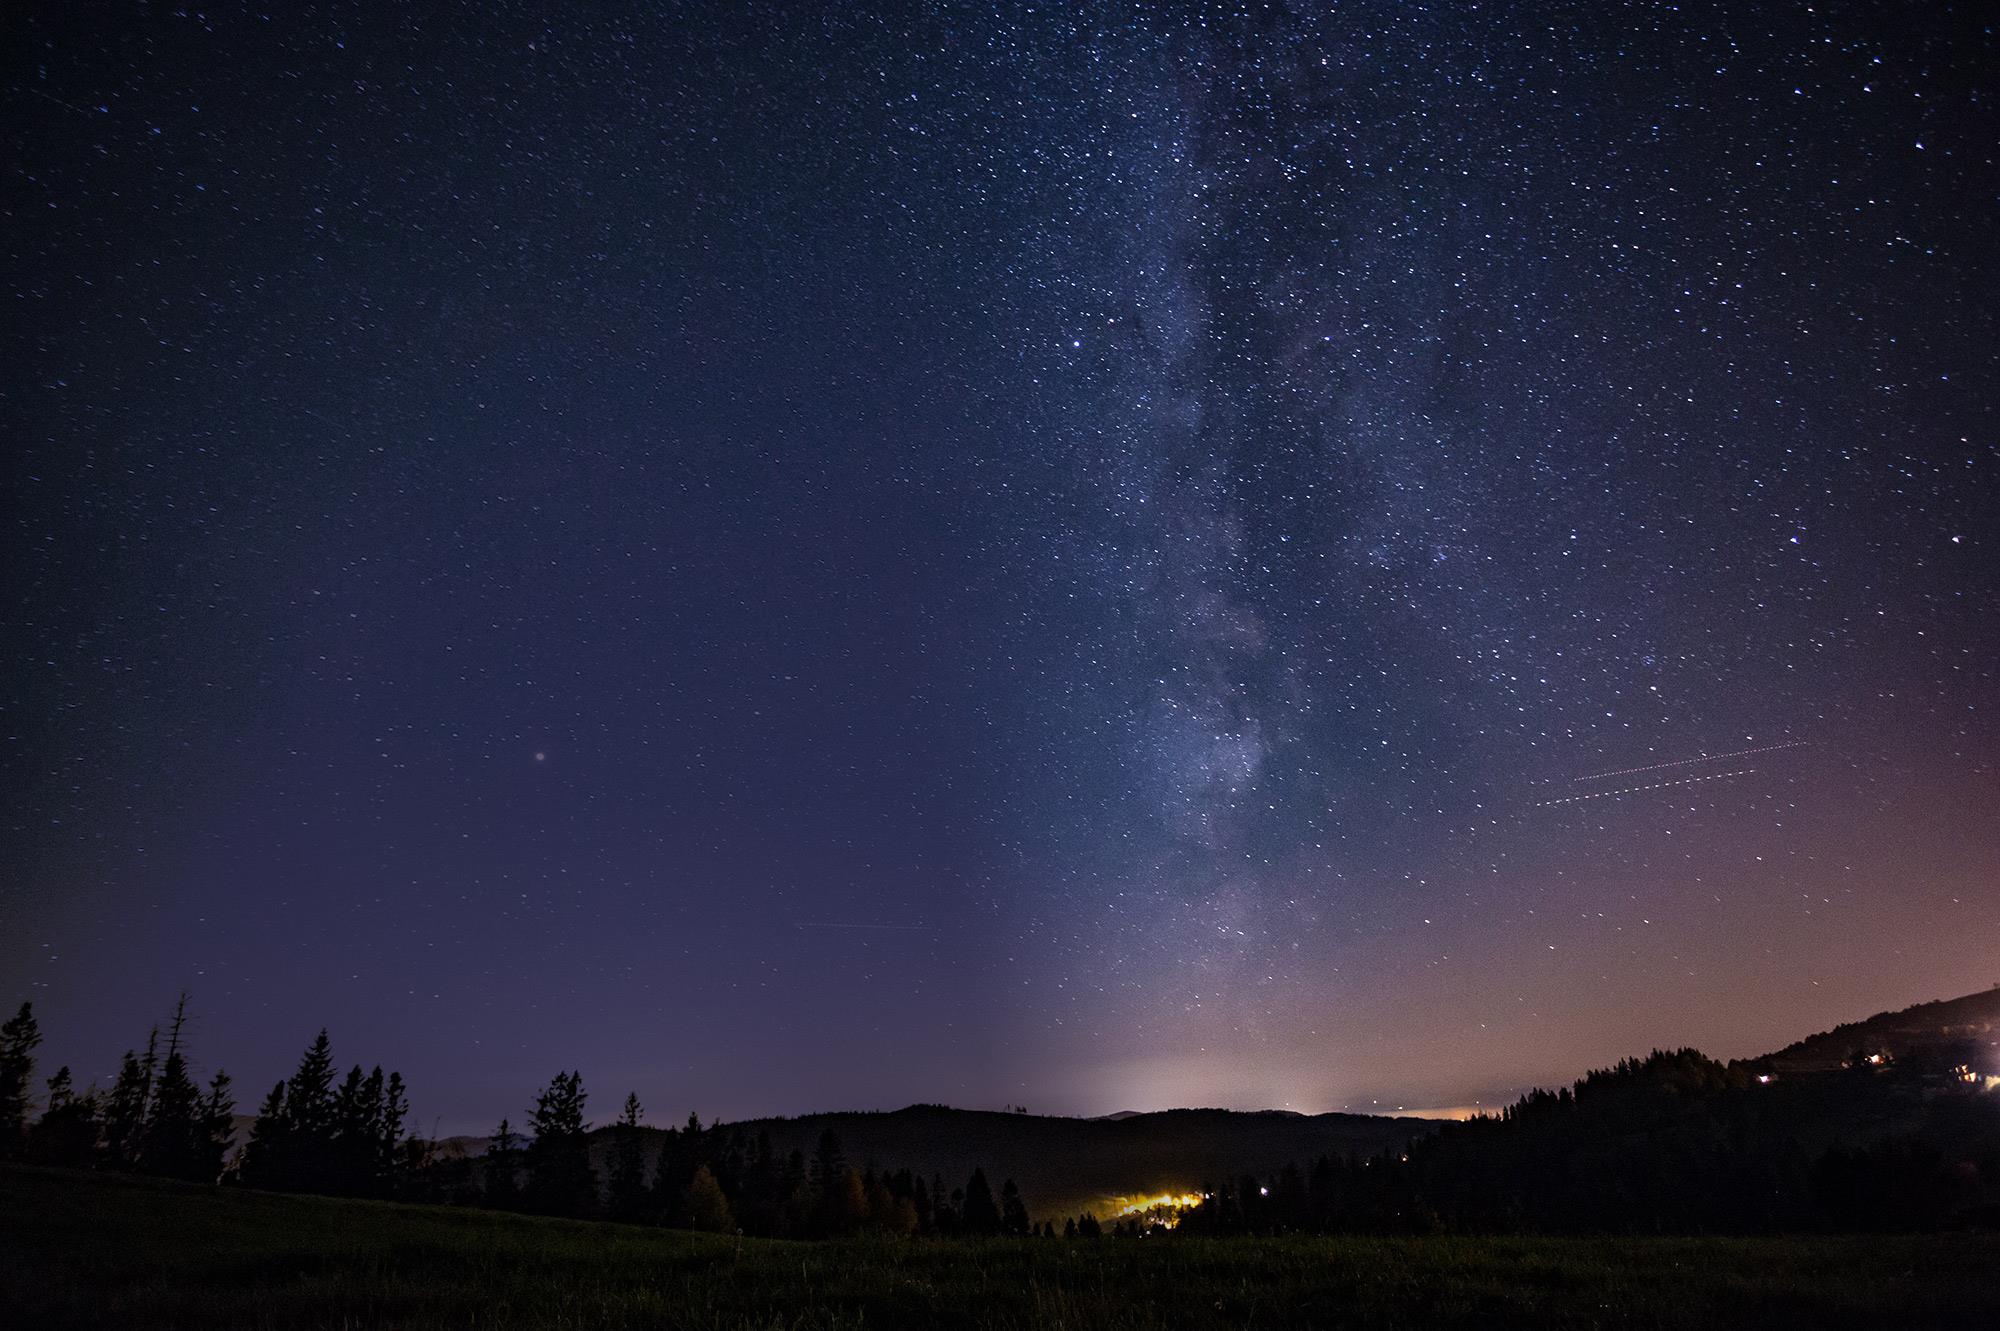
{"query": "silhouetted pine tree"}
{"type": "Point", "coordinates": [170, 1145]}
{"type": "Point", "coordinates": [795, 1196]}
{"type": "Point", "coordinates": [979, 1216]}
{"type": "Point", "coordinates": [1013, 1211]}
{"type": "Point", "coordinates": [309, 1093]}
{"type": "Point", "coordinates": [757, 1197]}
{"type": "Point", "coordinates": [267, 1157]}
{"type": "Point", "coordinates": [293, 1143]}
{"type": "Point", "coordinates": [67, 1131]}
{"type": "Point", "coordinates": [501, 1188]}
{"type": "Point", "coordinates": [131, 1097]}
{"type": "Point", "coordinates": [310, 1122]}
{"type": "Point", "coordinates": [61, 1090]}
{"type": "Point", "coordinates": [170, 1140]}
{"type": "Point", "coordinates": [560, 1180]}
{"type": "Point", "coordinates": [628, 1161]}
{"type": "Point", "coordinates": [390, 1151]}
{"type": "Point", "coordinates": [828, 1160]}
{"type": "Point", "coordinates": [672, 1168]}
{"type": "Point", "coordinates": [18, 1038]}
{"type": "Point", "coordinates": [216, 1126]}
{"type": "Point", "coordinates": [833, 1207]}
{"type": "Point", "coordinates": [357, 1135]}
{"type": "Point", "coordinates": [311, 1136]}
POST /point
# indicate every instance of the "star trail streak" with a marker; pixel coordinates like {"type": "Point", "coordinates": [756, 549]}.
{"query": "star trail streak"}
{"type": "Point", "coordinates": [1657, 785]}
{"type": "Point", "coordinates": [1685, 762]}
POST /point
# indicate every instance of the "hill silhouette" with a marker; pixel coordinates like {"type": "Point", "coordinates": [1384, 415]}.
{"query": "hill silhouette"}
{"type": "Point", "coordinates": [1948, 1025]}
{"type": "Point", "coordinates": [1892, 1122]}
{"type": "Point", "coordinates": [1068, 1165]}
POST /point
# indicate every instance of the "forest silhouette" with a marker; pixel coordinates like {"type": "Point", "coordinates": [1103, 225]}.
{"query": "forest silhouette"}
{"type": "Point", "coordinates": [1674, 1142]}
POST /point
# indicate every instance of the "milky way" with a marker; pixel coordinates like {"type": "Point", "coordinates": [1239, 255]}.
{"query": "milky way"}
{"type": "Point", "coordinates": [1337, 556]}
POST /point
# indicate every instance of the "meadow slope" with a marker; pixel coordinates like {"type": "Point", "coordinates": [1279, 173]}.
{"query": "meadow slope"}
{"type": "Point", "coordinates": [92, 1250]}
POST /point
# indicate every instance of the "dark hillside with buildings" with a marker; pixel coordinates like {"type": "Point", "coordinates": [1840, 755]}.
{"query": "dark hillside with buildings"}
{"type": "Point", "coordinates": [1950, 1031]}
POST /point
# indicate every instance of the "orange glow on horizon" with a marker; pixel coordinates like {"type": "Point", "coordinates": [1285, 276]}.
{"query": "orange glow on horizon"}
{"type": "Point", "coordinates": [1162, 1209]}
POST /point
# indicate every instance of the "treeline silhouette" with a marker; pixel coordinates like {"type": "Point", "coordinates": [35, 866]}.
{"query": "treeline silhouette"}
{"type": "Point", "coordinates": [1672, 1143]}
{"type": "Point", "coordinates": [311, 1136]}
{"type": "Point", "coordinates": [320, 1133]}
{"type": "Point", "coordinates": [154, 1119]}
{"type": "Point", "coordinates": [712, 1178]}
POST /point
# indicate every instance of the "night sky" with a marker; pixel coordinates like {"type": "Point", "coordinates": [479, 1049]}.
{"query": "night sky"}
{"type": "Point", "coordinates": [987, 554]}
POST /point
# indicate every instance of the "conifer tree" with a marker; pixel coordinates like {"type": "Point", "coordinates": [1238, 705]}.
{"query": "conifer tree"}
{"type": "Point", "coordinates": [979, 1215]}
{"type": "Point", "coordinates": [357, 1138]}
{"type": "Point", "coordinates": [672, 1168]}
{"type": "Point", "coordinates": [560, 1179]}
{"type": "Point", "coordinates": [217, 1126]}
{"type": "Point", "coordinates": [828, 1162]}
{"type": "Point", "coordinates": [309, 1104]}
{"type": "Point", "coordinates": [310, 1118]}
{"type": "Point", "coordinates": [170, 1142]}
{"type": "Point", "coordinates": [267, 1158]}
{"type": "Point", "coordinates": [628, 1161]}
{"type": "Point", "coordinates": [395, 1108]}
{"type": "Point", "coordinates": [18, 1038]}
{"type": "Point", "coordinates": [66, 1133]}
{"type": "Point", "coordinates": [61, 1090]}
{"type": "Point", "coordinates": [131, 1097]}
{"type": "Point", "coordinates": [500, 1186]}
{"type": "Point", "coordinates": [795, 1196]}
{"type": "Point", "coordinates": [1013, 1211]}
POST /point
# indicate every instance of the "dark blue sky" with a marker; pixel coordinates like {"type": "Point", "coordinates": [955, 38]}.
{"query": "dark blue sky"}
{"type": "Point", "coordinates": [971, 554]}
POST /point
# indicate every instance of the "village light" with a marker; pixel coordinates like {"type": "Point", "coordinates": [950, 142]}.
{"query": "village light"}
{"type": "Point", "coordinates": [1162, 1211]}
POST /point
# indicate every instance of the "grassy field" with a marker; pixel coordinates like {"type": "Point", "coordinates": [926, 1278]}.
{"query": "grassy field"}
{"type": "Point", "coordinates": [94, 1250]}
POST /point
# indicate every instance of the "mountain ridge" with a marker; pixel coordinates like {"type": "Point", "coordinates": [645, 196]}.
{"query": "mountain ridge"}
{"type": "Point", "coordinates": [1065, 1165]}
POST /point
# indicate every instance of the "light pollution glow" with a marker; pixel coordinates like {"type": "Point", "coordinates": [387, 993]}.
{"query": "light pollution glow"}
{"type": "Point", "coordinates": [1163, 1209]}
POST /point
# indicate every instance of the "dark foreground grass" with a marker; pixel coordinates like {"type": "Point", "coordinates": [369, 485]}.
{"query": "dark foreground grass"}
{"type": "Point", "coordinates": [95, 1250]}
